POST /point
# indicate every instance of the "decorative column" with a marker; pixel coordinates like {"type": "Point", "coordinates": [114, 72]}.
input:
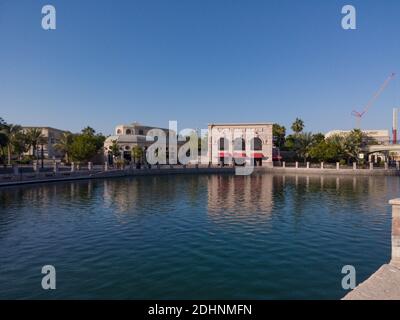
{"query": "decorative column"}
{"type": "Point", "coordinates": [106, 166]}
{"type": "Point", "coordinates": [395, 230]}
{"type": "Point", "coordinates": [337, 166]}
{"type": "Point", "coordinates": [283, 164]}
{"type": "Point", "coordinates": [90, 166]}
{"type": "Point", "coordinates": [386, 166]}
{"type": "Point", "coordinates": [72, 166]}
{"type": "Point", "coordinates": [371, 166]}
{"type": "Point", "coordinates": [322, 165]}
{"type": "Point", "coordinates": [354, 165]}
{"type": "Point", "coordinates": [308, 165]}
{"type": "Point", "coordinates": [297, 165]}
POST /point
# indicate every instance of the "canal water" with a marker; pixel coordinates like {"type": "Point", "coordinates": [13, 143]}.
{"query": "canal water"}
{"type": "Point", "coordinates": [194, 237]}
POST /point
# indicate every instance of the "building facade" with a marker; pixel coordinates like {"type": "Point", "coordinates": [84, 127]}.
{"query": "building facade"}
{"type": "Point", "coordinates": [129, 136]}
{"type": "Point", "coordinates": [52, 137]}
{"type": "Point", "coordinates": [239, 143]}
{"type": "Point", "coordinates": [378, 136]}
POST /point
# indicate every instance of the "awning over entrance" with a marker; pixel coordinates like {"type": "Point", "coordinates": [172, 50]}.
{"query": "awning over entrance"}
{"type": "Point", "coordinates": [239, 155]}
{"type": "Point", "coordinates": [257, 155]}
{"type": "Point", "coordinates": [224, 155]}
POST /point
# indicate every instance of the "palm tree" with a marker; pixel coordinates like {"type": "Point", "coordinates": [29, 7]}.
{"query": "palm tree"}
{"type": "Point", "coordinates": [42, 141]}
{"type": "Point", "coordinates": [297, 126]}
{"type": "Point", "coordinates": [115, 149]}
{"type": "Point", "coordinates": [12, 132]}
{"type": "Point", "coordinates": [64, 144]}
{"type": "Point", "coordinates": [137, 154]}
{"type": "Point", "coordinates": [3, 144]}
{"type": "Point", "coordinates": [303, 143]}
{"type": "Point", "coordinates": [35, 138]}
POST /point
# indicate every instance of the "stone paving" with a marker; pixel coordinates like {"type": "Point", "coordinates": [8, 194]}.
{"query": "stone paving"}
{"type": "Point", "coordinates": [384, 284]}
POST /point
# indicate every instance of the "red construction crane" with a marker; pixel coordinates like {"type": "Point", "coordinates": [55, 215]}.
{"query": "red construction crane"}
{"type": "Point", "coordinates": [359, 115]}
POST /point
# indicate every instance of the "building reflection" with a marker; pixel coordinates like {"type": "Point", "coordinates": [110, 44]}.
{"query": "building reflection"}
{"type": "Point", "coordinates": [245, 198]}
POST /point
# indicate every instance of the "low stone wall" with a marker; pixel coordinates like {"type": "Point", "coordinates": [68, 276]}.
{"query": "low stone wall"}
{"type": "Point", "coordinates": [384, 284]}
{"type": "Point", "coordinates": [13, 179]}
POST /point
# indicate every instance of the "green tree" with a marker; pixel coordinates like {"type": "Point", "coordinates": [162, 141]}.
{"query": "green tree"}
{"type": "Point", "coordinates": [115, 149]}
{"type": "Point", "coordinates": [64, 144]}
{"type": "Point", "coordinates": [318, 137]}
{"type": "Point", "coordinates": [3, 145]}
{"type": "Point", "coordinates": [297, 126]}
{"type": "Point", "coordinates": [88, 131]}
{"type": "Point", "coordinates": [353, 144]}
{"type": "Point", "coordinates": [83, 148]}
{"type": "Point", "coordinates": [137, 154]}
{"type": "Point", "coordinates": [279, 134]}
{"type": "Point", "coordinates": [98, 138]}
{"type": "Point", "coordinates": [324, 151]}
{"type": "Point", "coordinates": [34, 137]}
{"type": "Point", "coordinates": [86, 145]}
{"type": "Point", "coordinates": [303, 143]}
{"type": "Point", "coordinates": [12, 132]}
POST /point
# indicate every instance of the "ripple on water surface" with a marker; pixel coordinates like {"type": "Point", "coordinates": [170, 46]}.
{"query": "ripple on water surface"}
{"type": "Point", "coordinates": [260, 237]}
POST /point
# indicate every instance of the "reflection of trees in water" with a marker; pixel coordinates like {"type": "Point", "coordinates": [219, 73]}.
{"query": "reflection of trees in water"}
{"type": "Point", "coordinates": [146, 194]}
{"type": "Point", "coordinates": [238, 197]}
{"type": "Point", "coordinates": [42, 199]}
{"type": "Point", "coordinates": [243, 198]}
{"type": "Point", "coordinates": [43, 195]}
{"type": "Point", "coordinates": [298, 191]}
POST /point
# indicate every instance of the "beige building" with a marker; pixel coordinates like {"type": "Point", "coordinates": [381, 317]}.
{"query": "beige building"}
{"type": "Point", "coordinates": [52, 136]}
{"type": "Point", "coordinates": [380, 136]}
{"type": "Point", "coordinates": [240, 142]}
{"type": "Point", "coordinates": [128, 136]}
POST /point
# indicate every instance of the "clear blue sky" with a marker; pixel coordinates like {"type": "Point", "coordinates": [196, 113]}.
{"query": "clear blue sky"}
{"type": "Point", "coordinates": [197, 61]}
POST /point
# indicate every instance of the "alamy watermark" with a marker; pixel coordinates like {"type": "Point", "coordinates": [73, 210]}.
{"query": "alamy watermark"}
{"type": "Point", "coordinates": [349, 280]}
{"type": "Point", "coordinates": [49, 280]}
{"type": "Point", "coordinates": [49, 17]}
{"type": "Point", "coordinates": [349, 21]}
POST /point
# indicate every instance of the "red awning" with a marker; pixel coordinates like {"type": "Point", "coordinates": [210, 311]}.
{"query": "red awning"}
{"type": "Point", "coordinates": [224, 155]}
{"type": "Point", "coordinates": [239, 155]}
{"type": "Point", "coordinates": [257, 155]}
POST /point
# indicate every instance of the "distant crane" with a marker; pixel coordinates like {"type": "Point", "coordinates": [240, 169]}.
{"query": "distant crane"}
{"type": "Point", "coordinates": [359, 115]}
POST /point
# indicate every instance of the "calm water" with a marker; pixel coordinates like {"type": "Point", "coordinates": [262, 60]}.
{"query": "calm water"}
{"type": "Point", "coordinates": [260, 237]}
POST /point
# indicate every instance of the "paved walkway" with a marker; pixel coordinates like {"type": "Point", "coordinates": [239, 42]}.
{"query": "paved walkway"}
{"type": "Point", "coordinates": [384, 284]}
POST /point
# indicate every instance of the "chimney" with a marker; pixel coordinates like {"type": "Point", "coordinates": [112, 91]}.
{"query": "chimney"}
{"type": "Point", "coordinates": [395, 124]}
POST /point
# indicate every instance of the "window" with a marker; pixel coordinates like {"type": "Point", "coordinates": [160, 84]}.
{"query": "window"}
{"type": "Point", "coordinates": [141, 132]}
{"type": "Point", "coordinates": [239, 144]}
{"type": "Point", "coordinates": [256, 144]}
{"type": "Point", "coordinates": [222, 144]}
{"type": "Point", "coordinates": [128, 131]}
{"type": "Point", "coordinates": [119, 131]}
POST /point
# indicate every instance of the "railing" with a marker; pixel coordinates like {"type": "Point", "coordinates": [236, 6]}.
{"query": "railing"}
{"type": "Point", "coordinates": [337, 166]}
{"type": "Point", "coordinates": [24, 173]}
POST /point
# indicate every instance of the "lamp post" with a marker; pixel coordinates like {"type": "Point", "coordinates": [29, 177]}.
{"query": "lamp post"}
{"type": "Point", "coordinates": [41, 155]}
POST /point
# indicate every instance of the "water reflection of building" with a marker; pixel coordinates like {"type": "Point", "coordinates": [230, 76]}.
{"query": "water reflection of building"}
{"type": "Point", "coordinates": [240, 197]}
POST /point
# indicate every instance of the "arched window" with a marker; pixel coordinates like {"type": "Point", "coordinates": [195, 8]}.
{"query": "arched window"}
{"type": "Point", "coordinates": [239, 144]}
{"type": "Point", "coordinates": [127, 147]}
{"type": "Point", "coordinates": [128, 131]}
{"type": "Point", "coordinates": [256, 144]}
{"type": "Point", "coordinates": [119, 131]}
{"type": "Point", "coordinates": [222, 144]}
